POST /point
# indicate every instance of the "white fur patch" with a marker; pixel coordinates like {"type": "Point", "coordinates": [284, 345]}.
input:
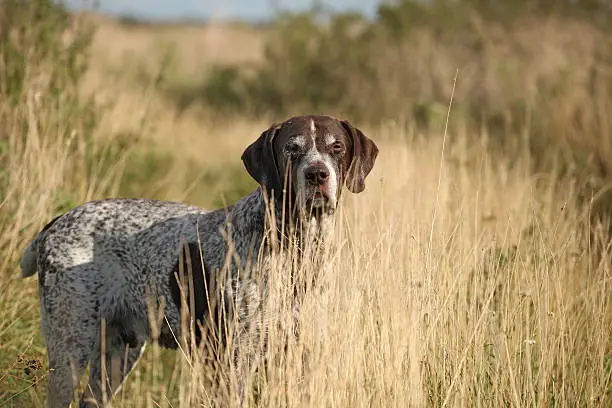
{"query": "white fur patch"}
{"type": "Point", "coordinates": [300, 141]}
{"type": "Point", "coordinates": [81, 254]}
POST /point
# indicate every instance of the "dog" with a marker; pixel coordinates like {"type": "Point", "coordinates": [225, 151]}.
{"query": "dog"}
{"type": "Point", "coordinates": [98, 263]}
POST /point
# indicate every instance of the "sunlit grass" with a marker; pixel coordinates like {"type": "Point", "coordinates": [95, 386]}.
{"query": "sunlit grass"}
{"type": "Point", "coordinates": [462, 280]}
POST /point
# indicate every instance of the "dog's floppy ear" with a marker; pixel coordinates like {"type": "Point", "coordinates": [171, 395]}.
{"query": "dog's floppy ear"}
{"type": "Point", "coordinates": [260, 161]}
{"type": "Point", "coordinates": [363, 156]}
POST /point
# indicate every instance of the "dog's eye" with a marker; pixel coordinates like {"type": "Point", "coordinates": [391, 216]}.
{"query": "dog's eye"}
{"type": "Point", "coordinates": [293, 149]}
{"type": "Point", "coordinates": [337, 147]}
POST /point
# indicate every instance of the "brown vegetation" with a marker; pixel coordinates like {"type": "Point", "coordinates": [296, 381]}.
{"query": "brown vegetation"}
{"type": "Point", "coordinates": [473, 271]}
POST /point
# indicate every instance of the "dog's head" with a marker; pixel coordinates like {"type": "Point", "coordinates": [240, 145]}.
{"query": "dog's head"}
{"type": "Point", "coordinates": [311, 157]}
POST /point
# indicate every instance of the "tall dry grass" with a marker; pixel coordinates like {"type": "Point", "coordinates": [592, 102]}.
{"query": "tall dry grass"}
{"type": "Point", "coordinates": [471, 287]}
{"type": "Point", "coordinates": [458, 278]}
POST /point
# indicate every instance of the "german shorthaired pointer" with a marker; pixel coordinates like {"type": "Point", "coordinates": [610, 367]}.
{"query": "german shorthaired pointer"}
{"type": "Point", "coordinates": [101, 263]}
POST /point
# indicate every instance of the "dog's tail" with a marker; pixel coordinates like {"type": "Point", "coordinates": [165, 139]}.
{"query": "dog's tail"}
{"type": "Point", "coordinates": [29, 258]}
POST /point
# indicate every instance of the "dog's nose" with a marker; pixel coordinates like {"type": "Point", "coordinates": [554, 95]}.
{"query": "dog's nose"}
{"type": "Point", "coordinates": [317, 175]}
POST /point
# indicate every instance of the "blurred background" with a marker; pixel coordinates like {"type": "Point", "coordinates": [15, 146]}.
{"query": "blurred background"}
{"type": "Point", "coordinates": [206, 10]}
{"type": "Point", "coordinates": [159, 98]}
{"type": "Point", "coordinates": [533, 75]}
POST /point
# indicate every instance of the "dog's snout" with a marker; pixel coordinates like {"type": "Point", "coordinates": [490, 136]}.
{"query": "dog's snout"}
{"type": "Point", "coordinates": [317, 174]}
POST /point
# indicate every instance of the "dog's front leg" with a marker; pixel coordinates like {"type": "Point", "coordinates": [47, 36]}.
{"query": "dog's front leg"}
{"type": "Point", "coordinates": [248, 341]}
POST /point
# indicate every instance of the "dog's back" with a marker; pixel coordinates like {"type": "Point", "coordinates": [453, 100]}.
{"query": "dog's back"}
{"type": "Point", "coordinates": [94, 228]}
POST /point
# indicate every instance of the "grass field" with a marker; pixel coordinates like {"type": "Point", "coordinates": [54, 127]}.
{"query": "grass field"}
{"type": "Point", "coordinates": [459, 277]}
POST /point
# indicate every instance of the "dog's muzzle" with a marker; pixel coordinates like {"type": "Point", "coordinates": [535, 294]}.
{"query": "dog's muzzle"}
{"type": "Point", "coordinates": [318, 194]}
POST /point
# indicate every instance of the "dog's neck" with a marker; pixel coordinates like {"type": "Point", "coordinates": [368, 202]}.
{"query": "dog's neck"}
{"type": "Point", "coordinates": [308, 232]}
{"type": "Point", "coordinates": [277, 227]}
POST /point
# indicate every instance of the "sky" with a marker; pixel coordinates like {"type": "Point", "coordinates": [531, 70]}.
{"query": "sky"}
{"type": "Point", "coordinates": [249, 10]}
